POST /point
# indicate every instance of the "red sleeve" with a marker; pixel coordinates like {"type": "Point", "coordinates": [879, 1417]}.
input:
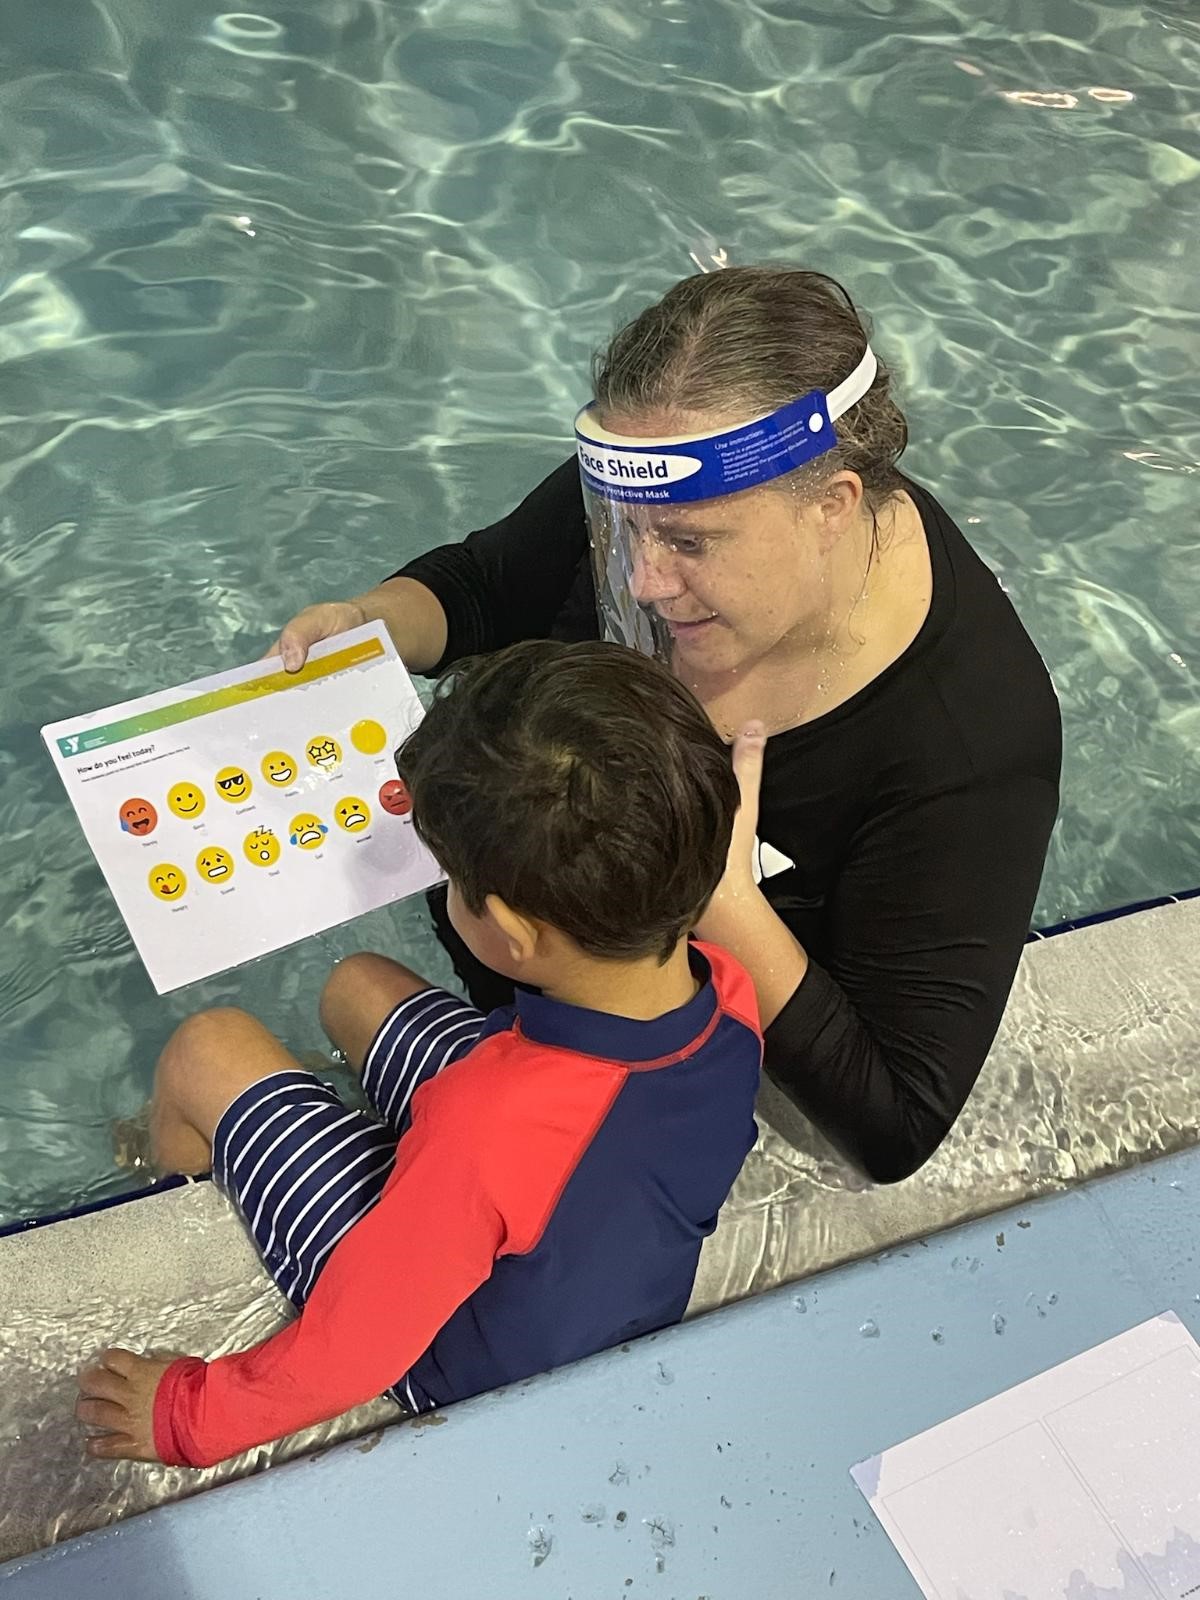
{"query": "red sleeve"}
{"type": "Point", "coordinates": [735, 988]}
{"type": "Point", "coordinates": [386, 1290]}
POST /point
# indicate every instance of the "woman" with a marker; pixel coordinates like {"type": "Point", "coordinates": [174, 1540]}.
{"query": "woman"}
{"type": "Point", "coordinates": [909, 780]}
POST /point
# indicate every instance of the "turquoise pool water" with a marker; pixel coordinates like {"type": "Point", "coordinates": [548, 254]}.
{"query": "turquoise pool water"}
{"type": "Point", "coordinates": [286, 296]}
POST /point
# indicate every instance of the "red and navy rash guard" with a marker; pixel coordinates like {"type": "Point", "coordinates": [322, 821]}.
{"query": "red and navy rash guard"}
{"type": "Point", "coordinates": [549, 1200]}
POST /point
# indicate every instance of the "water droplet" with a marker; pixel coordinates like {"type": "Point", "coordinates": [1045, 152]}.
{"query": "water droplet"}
{"type": "Point", "coordinates": [800, 1304]}
{"type": "Point", "coordinates": [662, 1539]}
{"type": "Point", "coordinates": [595, 1513]}
{"type": "Point", "coordinates": [938, 1336]}
{"type": "Point", "coordinates": [1052, 1300]}
{"type": "Point", "coordinates": [869, 1329]}
{"type": "Point", "coordinates": [540, 1545]}
{"type": "Point", "coordinates": [999, 1323]}
{"type": "Point", "coordinates": [619, 1474]}
{"type": "Point", "coordinates": [664, 1375]}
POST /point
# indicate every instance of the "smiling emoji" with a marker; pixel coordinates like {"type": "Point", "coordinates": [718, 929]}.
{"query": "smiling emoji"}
{"type": "Point", "coordinates": [233, 784]}
{"type": "Point", "coordinates": [214, 864]}
{"type": "Point", "coordinates": [307, 831]}
{"type": "Point", "coordinates": [261, 848]}
{"type": "Point", "coordinates": [186, 800]}
{"type": "Point", "coordinates": [167, 882]}
{"type": "Point", "coordinates": [324, 752]}
{"type": "Point", "coordinates": [138, 817]}
{"type": "Point", "coordinates": [279, 768]}
{"type": "Point", "coordinates": [352, 814]}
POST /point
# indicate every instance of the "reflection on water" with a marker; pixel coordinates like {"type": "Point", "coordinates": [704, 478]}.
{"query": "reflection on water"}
{"type": "Point", "coordinates": [286, 297]}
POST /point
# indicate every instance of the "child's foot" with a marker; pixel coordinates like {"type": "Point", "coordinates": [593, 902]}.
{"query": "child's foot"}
{"type": "Point", "coordinates": [131, 1140]}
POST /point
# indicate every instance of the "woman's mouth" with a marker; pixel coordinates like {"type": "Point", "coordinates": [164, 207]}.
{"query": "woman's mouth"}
{"type": "Point", "coordinates": [689, 629]}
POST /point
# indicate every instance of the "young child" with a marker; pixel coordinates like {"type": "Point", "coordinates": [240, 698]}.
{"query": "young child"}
{"type": "Point", "coordinates": [535, 1185]}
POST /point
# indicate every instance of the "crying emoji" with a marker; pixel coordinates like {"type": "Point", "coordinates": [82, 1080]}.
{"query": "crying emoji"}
{"type": "Point", "coordinates": [307, 831]}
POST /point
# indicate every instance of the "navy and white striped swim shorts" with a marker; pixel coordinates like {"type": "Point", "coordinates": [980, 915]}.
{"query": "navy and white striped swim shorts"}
{"type": "Point", "coordinates": [302, 1167]}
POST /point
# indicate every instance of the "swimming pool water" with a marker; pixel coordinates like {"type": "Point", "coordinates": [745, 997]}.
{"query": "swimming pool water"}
{"type": "Point", "coordinates": [287, 296]}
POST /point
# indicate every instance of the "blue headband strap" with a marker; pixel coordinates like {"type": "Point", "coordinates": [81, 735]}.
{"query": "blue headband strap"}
{"type": "Point", "coordinates": [677, 471]}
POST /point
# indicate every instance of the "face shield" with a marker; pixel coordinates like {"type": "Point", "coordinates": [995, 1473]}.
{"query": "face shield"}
{"type": "Point", "coordinates": [629, 484]}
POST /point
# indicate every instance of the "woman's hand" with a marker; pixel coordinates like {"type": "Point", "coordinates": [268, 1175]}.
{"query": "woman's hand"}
{"type": "Point", "coordinates": [739, 917]}
{"type": "Point", "coordinates": [740, 877]}
{"type": "Point", "coordinates": [312, 625]}
{"type": "Point", "coordinates": [117, 1394]}
{"type": "Point", "coordinates": [411, 613]}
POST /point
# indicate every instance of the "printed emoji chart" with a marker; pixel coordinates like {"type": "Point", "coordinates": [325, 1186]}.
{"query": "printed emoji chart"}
{"type": "Point", "coordinates": [239, 813]}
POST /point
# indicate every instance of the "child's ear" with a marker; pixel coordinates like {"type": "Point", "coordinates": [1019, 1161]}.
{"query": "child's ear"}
{"type": "Point", "coordinates": [518, 931]}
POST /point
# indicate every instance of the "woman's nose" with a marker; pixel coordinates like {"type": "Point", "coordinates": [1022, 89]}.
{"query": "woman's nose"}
{"type": "Point", "coordinates": [655, 575]}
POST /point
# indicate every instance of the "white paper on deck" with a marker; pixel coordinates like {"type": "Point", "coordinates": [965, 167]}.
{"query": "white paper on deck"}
{"type": "Point", "coordinates": [1081, 1484]}
{"type": "Point", "coordinates": [209, 873]}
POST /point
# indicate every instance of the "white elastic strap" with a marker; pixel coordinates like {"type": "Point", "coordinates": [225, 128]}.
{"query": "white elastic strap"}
{"type": "Point", "coordinates": [851, 390]}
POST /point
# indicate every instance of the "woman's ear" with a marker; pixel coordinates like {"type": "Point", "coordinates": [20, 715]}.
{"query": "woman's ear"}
{"type": "Point", "coordinates": [519, 932]}
{"type": "Point", "coordinates": [838, 504]}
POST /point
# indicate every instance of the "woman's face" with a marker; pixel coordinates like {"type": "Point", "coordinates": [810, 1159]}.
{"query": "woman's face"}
{"type": "Point", "coordinates": [736, 579]}
{"type": "Point", "coordinates": [733, 579]}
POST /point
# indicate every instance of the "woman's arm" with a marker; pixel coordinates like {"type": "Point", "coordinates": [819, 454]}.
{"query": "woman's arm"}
{"type": "Point", "coordinates": [502, 583]}
{"type": "Point", "coordinates": [881, 1047]}
{"type": "Point", "coordinates": [739, 917]}
{"type": "Point", "coordinates": [508, 581]}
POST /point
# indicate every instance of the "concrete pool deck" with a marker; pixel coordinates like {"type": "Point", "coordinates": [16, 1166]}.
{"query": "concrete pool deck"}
{"type": "Point", "coordinates": [1097, 1066]}
{"type": "Point", "coordinates": [708, 1463]}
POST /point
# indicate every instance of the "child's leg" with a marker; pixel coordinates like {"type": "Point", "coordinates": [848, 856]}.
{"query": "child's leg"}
{"type": "Point", "coordinates": [209, 1060]}
{"type": "Point", "coordinates": [301, 1167]}
{"type": "Point", "coordinates": [395, 1029]}
{"type": "Point", "coordinates": [359, 995]}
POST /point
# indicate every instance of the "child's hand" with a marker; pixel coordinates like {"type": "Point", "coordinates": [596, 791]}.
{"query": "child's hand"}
{"type": "Point", "coordinates": [117, 1394]}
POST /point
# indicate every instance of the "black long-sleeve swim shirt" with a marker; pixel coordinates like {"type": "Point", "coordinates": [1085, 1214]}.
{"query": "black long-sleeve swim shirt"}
{"type": "Point", "coordinates": [917, 814]}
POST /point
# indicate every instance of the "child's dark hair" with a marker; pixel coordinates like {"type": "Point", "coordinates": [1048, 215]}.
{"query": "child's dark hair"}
{"type": "Point", "coordinates": [583, 784]}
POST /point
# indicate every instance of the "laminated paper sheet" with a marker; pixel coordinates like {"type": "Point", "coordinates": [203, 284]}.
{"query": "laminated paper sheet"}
{"type": "Point", "coordinates": [1081, 1484]}
{"type": "Point", "coordinates": [239, 813]}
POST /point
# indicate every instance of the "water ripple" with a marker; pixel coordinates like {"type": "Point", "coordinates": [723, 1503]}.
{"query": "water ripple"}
{"type": "Point", "coordinates": [288, 295]}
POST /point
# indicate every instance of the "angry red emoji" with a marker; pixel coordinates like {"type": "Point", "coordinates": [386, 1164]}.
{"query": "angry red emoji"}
{"type": "Point", "coordinates": [395, 798]}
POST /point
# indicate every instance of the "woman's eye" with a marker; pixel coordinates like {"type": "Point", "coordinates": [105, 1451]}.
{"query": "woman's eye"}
{"type": "Point", "coordinates": [687, 547]}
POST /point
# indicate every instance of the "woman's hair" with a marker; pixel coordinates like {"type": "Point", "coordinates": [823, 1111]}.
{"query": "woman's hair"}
{"type": "Point", "coordinates": [583, 784]}
{"type": "Point", "coordinates": [737, 343]}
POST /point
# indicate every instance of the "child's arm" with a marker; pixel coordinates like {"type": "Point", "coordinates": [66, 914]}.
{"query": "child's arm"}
{"type": "Point", "coordinates": [386, 1290]}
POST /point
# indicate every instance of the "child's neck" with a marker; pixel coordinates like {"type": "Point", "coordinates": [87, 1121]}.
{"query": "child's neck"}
{"type": "Point", "coordinates": [642, 989]}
